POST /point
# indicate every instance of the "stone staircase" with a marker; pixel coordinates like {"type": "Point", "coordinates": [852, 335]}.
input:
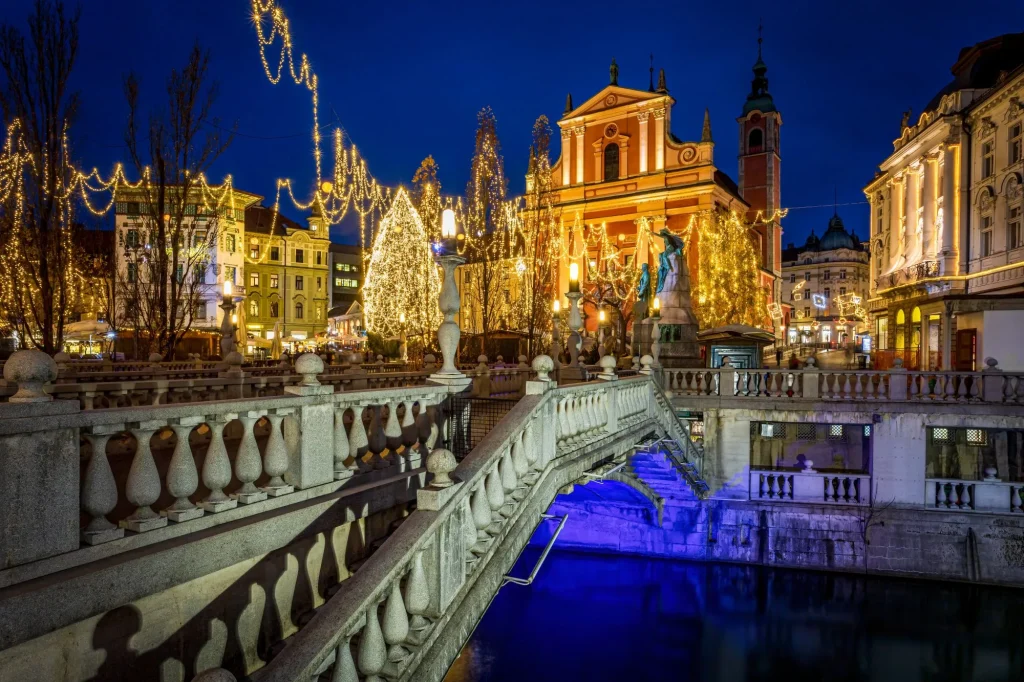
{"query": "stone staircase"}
{"type": "Point", "coordinates": [661, 466]}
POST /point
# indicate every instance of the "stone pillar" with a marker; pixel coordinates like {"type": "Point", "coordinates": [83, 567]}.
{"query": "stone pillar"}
{"type": "Point", "coordinates": [912, 192]}
{"type": "Point", "coordinates": [312, 463]}
{"type": "Point", "coordinates": [896, 210]}
{"type": "Point", "coordinates": [929, 176]}
{"type": "Point", "coordinates": [566, 157]}
{"type": "Point", "coordinates": [642, 117]}
{"type": "Point", "coordinates": [578, 131]}
{"type": "Point", "coordinates": [947, 247]}
{"type": "Point", "coordinates": [659, 139]}
{"type": "Point", "coordinates": [946, 330]}
{"type": "Point", "coordinates": [598, 146]}
{"type": "Point", "coordinates": [623, 156]}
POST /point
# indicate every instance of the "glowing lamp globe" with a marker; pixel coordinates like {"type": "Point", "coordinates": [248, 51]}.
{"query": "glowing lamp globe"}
{"type": "Point", "coordinates": [556, 306]}
{"type": "Point", "coordinates": [229, 287]}
{"type": "Point", "coordinates": [448, 223]}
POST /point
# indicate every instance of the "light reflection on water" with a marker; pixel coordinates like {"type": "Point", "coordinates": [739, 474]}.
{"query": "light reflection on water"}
{"type": "Point", "coordinates": [614, 617]}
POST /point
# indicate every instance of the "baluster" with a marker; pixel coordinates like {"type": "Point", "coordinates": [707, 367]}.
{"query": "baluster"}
{"type": "Point", "coordinates": [372, 649]}
{"type": "Point", "coordinates": [495, 498]}
{"type": "Point", "coordinates": [408, 432]}
{"type": "Point", "coordinates": [358, 441]}
{"type": "Point", "coordinates": [395, 628]}
{"type": "Point", "coordinates": [519, 462]}
{"type": "Point", "coordinates": [509, 482]}
{"type": "Point", "coordinates": [217, 466]}
{"type": "Point", "coordinates": [961, 391]}
{"type": "Point", "coordinates": [975, 388]}
{"type": "Point", "coordinates": [760, 486]}
{"type": "Point", "coordinates": [341, 451]}
{"type": "Point", "coordinates": [143, 487]}
{"type": "Point", "coordinates": [531, 453]}
{"type": "Point", "coordinates": [968, 496]}
{"type": "Point", "coordinates": [417, 593]}
{"type": "Point", "coordinates": [835, 489]}
{"type": "Point", "coordinates": [99, 493]}
{"type": "Point", "coordinates": [275, 459]}
{"type": "Point", "coordinates": [344, 665]}
{"type": "Point", "coordinates": [468, 528]}
{"type": "Point", "coordinates": [856, 490]}
{"type": "Point", "coordinates": [914, 391]}
{"type": "Point", "coordinates": [846, 489]}
{"type": "Point", "coordinates": [847, 393]}
{"type": "Point", "coordinates": [182, 477]}
{"type": "Point", "coordinates": [1015, 498]}
{"type": "Point", "coordinates": [377, 439]}
{"type": "Point", "coordinates": [869, 386]}
{"type": "Point", "coordinates": [946, 496]}
{"type": "Point", "coordinates": [248, 466]}
{"type": "Point", "coordinates": [481, 518]}
{"type": "Point", "coordinates": [771, 486]}
{"type": "Point", "coordinates": [949, 390]}
{"type": "Point", "coordinates": [940, 387]}
{"type": "Point", "coordinates": [393, 434]}
{"type": "Point", "coordinates": [1019, 389]}
{"type": "Point", "coordinates": [826, 482]}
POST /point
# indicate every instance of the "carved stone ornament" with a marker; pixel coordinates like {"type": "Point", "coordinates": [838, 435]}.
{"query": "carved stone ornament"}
{"type": "Point", "coordinates": [1015, 109]}
{"type": "Point", "coordinates": [688, 154]}
{"type": "Point", "coordinates": [986, 199]}
{"type": "Point", "coordinates": [610, 100]}
{"type": "Point", "coordinates": [1014, 189]}
{"type": "Point", "coordinates": [987, 127]}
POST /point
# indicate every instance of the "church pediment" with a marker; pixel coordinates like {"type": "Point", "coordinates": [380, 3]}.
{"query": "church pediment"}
{"type": "Point", "coordinates": [614, 97]}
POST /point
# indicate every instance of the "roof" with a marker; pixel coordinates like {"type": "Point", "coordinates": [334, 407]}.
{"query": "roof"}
{"type": "Point", "coordinates": [835, 237]}
{"type": "Point", "coordinates": [979, 66]}
{"type": "Point", "coordinates": [735, 332]}
{"type": "Point", "coordinates": [260, 219]}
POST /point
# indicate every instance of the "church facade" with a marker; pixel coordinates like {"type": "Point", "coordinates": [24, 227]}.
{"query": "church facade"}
{"type": "Point", "coordinates": [624, 174]}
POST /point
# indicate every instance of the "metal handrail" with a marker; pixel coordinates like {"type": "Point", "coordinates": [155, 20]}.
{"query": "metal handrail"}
{"type": "Point", "coordinates": [690, 453]}
{"type": "Point", "coordinates": [544, 555]}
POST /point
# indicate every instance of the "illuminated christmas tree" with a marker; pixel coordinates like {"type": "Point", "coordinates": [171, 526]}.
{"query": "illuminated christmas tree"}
{"type": "Point", "coordinates": [402, 276]}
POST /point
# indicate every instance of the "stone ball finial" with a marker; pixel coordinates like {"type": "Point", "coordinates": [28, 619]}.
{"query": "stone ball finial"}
{"type": "Point", "coordinates": [440, 463]}
{"type": "Point", "coordinates": [543, 365]}
{"type": "Point", "coordinates": [522, 360]}
{"type": "Point", "coordinates": [30, 370]}
{"type": "Point", "coordinates": [811, 362]}
{"type": "Point", "coordinates": [156, 357]}
{"type": "Point", "coordinates": [726, 362]}
{"type": "Point", "coordinates": [481, 359]}
{"type": "Point", "coordinates": [646, 361]}
{"type": "Point", "coordinates": [607, 365]}
{"type": "Point", "coordinates": [636, 362]}
{"type": "Point", "coordinates": [990, 363]}
{"type": "Point", "coordinates": [61, 359]}
{"type": "Point", "coordinates": [309, 365]}
{"type": "Point", "coordinates": [429, 360]}
{"type": "Point", "coordinates": [234, 359]}
{"type": "Point", "coordinates": [897, 363]}
{"type": "Point", "coordinates": [215, 675]}
{"type": "Point", "coordinates": [380, 358]}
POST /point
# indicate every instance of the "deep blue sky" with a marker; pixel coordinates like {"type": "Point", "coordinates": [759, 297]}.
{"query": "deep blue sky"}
{"type": "Point", "coordinates": [406, 79]}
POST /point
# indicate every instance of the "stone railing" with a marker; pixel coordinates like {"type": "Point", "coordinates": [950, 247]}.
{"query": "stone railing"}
{"type": "Point", "coordinates": [908, 275]}
{"type": "Point", "coordinates": [981, 496]}
{"type": "Point", "coordinates": [810, 487]}
{"type": "Point", "coordinates": [153, 469]}
{"type": "Point", "coordinates": [987, 386]}
{"type": "Point", "coordinates": [385, 620]}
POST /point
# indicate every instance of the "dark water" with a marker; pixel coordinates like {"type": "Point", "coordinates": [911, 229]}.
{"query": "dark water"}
{"type": "Point", "coordinates": [612, 617]}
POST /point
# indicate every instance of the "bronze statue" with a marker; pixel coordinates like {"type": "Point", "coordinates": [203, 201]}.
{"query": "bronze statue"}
{"type": "Point", "coordinates": [614, 72]}
{"type": "Point", "coordinates": [643, 288]}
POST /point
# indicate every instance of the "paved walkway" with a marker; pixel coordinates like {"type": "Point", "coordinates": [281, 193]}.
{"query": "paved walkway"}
{"type": "Point", "coordinates": [824, 359]}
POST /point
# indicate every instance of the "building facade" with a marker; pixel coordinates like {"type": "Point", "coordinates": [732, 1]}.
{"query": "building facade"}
{"type": "Point", "coordinates": [947, 266]}
{"type": "Point", "coordinates": [624, 172]}
{"type": "Point", "coordinates": [286, 276]}
{"type": "Point", "coordinates": [826, 284]}
{"type": "Point", "coordinates": [346, 265]}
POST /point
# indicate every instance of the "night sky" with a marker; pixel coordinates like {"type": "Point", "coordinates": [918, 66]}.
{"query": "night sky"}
{"type": "Point", "coordinates": [406, 80]}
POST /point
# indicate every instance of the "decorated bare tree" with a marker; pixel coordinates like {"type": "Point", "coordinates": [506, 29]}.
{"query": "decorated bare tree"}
{"type": "Point", "coordinates": [540, 231]}
{"type": "Point", "coordinates": [167, 256]}
{"type": "Point", "coordinates": [37, 254]}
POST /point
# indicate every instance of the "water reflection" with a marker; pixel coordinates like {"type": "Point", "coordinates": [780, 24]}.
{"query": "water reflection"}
{"type": "Point", "coordinates": [612, 617]}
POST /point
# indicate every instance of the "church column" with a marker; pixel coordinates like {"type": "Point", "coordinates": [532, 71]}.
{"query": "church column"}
{"type": "Point", "coordinates": [566, 157]}
{"type": "Point", "coordinates": [642, 251]}
{"type": "Point", "coordinates": [623, 156]}
{"type": "Point", "coordinates": [642, 117]}
{"type": "Point", "coordinates": [659, 139]}
{"type": "Point", "coordinates": [928, 176]}
{"type": "Point", "coordinates": [913, 193]}
{"type": "Point", "coordinates": [896, 221]}
{"type": "Point", "coordinates": [598, 160]}
{"type": "Point", "coordinates": [579, 130]}
{"type": "Point", "coordinates": [949, 205]}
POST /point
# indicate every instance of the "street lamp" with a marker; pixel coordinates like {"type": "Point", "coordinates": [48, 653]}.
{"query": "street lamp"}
{"type": "Point", "coordinates": [575, 322]}
{"type": "Point", "coordinates": [448, 333]}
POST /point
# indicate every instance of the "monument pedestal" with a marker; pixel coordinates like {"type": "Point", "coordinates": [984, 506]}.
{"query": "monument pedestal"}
{"type": "Point", "coordinates": [679, 347]}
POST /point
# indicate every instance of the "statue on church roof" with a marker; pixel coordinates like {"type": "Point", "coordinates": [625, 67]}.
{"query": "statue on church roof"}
{"type": "Point", "coordinates": [613, 71]}
{"type": "Point", "coordinates": [673, 246]}
{"type": "Point", "coordinates": [643, 288]}
{"type": "Point", "coordinates": [905, 123]}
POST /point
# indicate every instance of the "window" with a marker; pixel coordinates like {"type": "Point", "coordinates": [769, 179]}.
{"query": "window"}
{"type": "Point", "coordinates": [338, 282]}
{"type": "Point", "coordinates": [200, 311]}
{"type": "Point", "coordinates": [807, 277]}
{"type": "Point", "coordinates": [341, 282]}
{"type": "Point", "coordinates": [229, 243]}
{"type": "Point", "coordinates": [273, 309]}
{"type": "Point", "coordinates": [275, 253]}
{"type": "Point", "coordinates": [807, 311]}
{"type": "Point", "coordinates": [230, 272]}
{"type": "Point", "coordinates": [792, 278]}
{"type": "Point", "coordinates": [273, 281]}
{"type": "Point", "coordinates": [319, 257]}
{"type": "Point", "coordinates": [827, 275]}
{"type": "Point", "coordinates": [986, 236]}
{"type": "Point", "coordinates": [131, 239]}
{"type": "Point", "coordinates": [1014, 228]}
{"type": "Point", "coordinates": [879, 217]}
{"type": "Point", "coordinates": [254, 251]}
{"type": "Point", "coordinates": [319, 284]}
{"type": "Point", "coordinates": [133, 270]}
{"type": "Point", "coordinates": [298, 282]}
{"type": "Point", "coordinates": [1015, 142]}
{"type": "Point", "coordinates": [298, 311]}
{"type": "Point", "coordinates": [842, 274]}
{"type": "Point", "coordinates": [965, 454]}
{"type": "Point", "coordinates": [795, 447]}
{"type": "Point", "coordinates": [842, 291]}
{"type": "Point", "coordinates": [755, 140]}
{"type": "Point", "coordinates": [254, 279]}
{"type": "Point", "coordinates": [199, 273]}
{"type": "Point", "coordinates": [988, 160]}
{"type": "Point", "coordinates": [882, 333]}
{"type": "Point", "coordinates": [254, 308]}
{"type": "Point", "coordinates": [341, 267]}
{"type": "Point", "coordinates": [611, 162]}
{"type": "Point", "coordinates": [300, 256]}
{"type": "Point", "coordinates": [179, 274]}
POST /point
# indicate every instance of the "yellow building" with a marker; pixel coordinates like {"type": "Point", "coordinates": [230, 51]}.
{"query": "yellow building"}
{"type": "Point", "coordinates": [286, 278]}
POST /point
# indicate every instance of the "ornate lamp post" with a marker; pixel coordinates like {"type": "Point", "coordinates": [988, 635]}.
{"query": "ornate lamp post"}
{"type": "Point", "coordinates": [556, 334]}
{"type": "Point", "coordinates": [448, 333]}
{"type": "Point", "coordinates": [403, 346]}
{"type": "Point", "coordinates": [575, 322]}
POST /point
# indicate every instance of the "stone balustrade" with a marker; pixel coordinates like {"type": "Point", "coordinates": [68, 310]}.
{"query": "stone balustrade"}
{"type": "Point", "coordinates": [990, 496]}
{"type": "Point", "coordinates": [384, 621]}
{"type": "Point", "coordinates": [989, 386]}
{"type": "Point", "coordinates": [811, 487]}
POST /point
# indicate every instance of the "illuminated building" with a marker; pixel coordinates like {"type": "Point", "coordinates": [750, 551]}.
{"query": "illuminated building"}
{"type": "Point", "coordinates": [947, 266]}
{"type": "Point", "coordinates": [345, 317]}
{"type": "Point", "coordinates": [286, 273]}
{"type": "Point", "coordinates": [826, 283]}
{"type": "Point", "coordinates": [624, 172]}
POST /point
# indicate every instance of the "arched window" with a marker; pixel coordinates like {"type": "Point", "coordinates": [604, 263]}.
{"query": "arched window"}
{"type": "Point", "coordinates": [755, 140]}
{"type": "Point", "coordinates": [901, 328]}
{"type": "Point", "coordinates": [611, 162]}
{"type": "Point", "coordinates": [254, 308]}
{"type": "Point", "coordinates": [298, 311]}
{"type": "Point", "coordinates": [915, 315]}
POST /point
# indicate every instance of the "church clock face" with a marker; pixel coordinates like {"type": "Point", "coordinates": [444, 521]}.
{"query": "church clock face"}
{"type": "Point", "coordinates": [611, 130]}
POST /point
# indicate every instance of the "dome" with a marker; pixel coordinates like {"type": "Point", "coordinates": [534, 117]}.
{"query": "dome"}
{"type": "Point", "coordinates": [836, 237]}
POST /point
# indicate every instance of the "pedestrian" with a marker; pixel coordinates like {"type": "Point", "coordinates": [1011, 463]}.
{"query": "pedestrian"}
{"type": "Point", "coordinates": [778, 357]}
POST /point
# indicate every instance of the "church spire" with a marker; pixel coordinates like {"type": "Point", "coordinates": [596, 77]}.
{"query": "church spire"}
{"type": "Point", "coordinates": [759, 98]}
{"type": "Point", "coordinates": [705, 133]}
{"type": "Point", "coordinates": [650, 86]}
{"type": "Point", "coordinates": [568, 104]}
{"type": "Point", "coordinates": [662, 88]}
